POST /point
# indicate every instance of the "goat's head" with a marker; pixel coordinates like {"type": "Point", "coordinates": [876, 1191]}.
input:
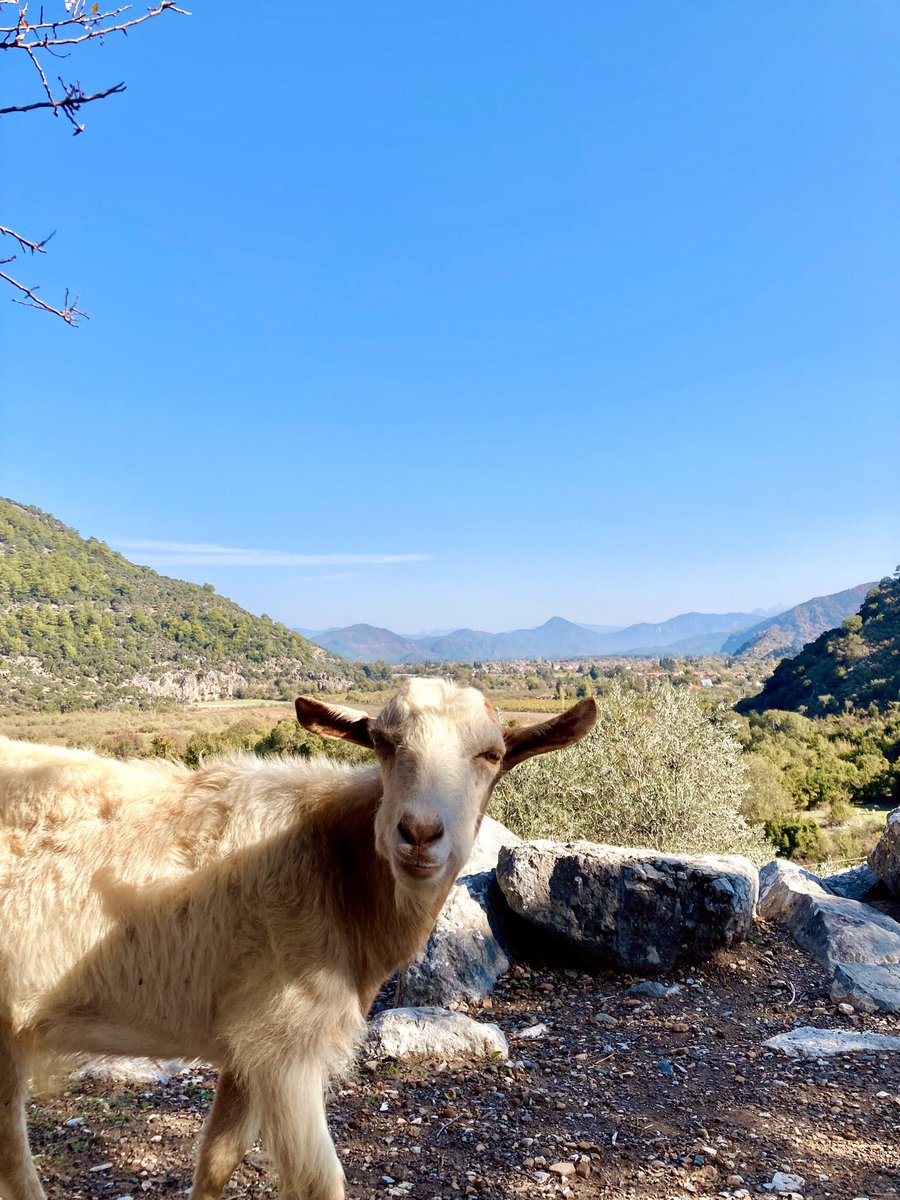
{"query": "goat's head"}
{"type": "Point", "coordinates": [441, 749]}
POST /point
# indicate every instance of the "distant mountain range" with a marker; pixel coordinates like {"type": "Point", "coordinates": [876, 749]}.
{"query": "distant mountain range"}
{"type": "Point", "coordinates": [734, 633]}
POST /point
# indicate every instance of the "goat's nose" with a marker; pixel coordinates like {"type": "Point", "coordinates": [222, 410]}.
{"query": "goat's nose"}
{"type": "Point", "coordinates": [418, 832]}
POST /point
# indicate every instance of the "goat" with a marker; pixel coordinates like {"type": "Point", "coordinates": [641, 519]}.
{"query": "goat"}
{"type": "Point", "coordinates": [245, 913]}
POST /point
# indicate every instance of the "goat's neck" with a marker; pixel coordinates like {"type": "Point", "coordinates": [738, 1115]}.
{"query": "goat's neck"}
{"type": "Point", "coordinates": [387, 924]}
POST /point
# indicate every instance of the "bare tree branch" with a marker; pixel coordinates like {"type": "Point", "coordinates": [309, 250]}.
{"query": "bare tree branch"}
{"type": "Point", "coordinates": [83, 22]}
{"type": "Point", "coordinates": [70, 312]}
{"type": "Point", "coordinates": [24, 242]}
{"type": "Point", "coordinates": [69, 104]}
{"type": "Point", "coordinates": [43, 34]}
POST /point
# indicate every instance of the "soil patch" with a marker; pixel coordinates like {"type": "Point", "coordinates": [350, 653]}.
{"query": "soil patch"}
{"type": "Point", "coordinates": [619, 1096]}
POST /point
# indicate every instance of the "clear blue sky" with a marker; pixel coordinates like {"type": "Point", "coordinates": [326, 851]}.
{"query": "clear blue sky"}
{"type": "Point", "coordinates": [591, 309]}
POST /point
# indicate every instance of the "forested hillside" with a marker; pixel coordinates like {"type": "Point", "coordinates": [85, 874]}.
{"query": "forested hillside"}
{"type": "Point", "coordinates": [789, 632]}
{"type": "Point", "coordinates": [81, 625]}
{"type": "Point", "coordinates": [856, 666]}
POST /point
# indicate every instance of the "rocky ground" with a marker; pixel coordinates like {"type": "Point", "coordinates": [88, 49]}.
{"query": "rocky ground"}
{"type": "Point", "coordinates": [616, 1096]}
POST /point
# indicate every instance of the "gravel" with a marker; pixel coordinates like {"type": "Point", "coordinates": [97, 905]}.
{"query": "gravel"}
{"type": "Point", "coordinates": [582, 1111]}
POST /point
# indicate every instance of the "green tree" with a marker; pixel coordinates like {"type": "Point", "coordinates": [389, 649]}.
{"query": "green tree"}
{"type": "Point", "coordinates": [656, 771]}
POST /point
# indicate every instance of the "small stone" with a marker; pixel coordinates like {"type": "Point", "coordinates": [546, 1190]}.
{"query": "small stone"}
{"type": "Point", "coordinates": [583, 1169]}
{"type": "Point", "coordinates": [734, 1180]}
{"type": "Point", "coordinates": [654, 989]}
{"type": "Point", "coordinates": [533, 1032]}
{"type": "Point", "coordinates": [562, 1168]}
{"type": "Point", "coordinates": [785, 1183]}
{"type": "Point", "coordinates": [847, 1009]}
{"type": "Point", "coordinates": [665, 1068]}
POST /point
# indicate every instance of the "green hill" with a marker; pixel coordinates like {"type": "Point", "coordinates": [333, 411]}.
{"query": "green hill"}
{"type": "Point", "coordinates": [856, 666]}
{"type": "Point", "coordinates": [80, 625]}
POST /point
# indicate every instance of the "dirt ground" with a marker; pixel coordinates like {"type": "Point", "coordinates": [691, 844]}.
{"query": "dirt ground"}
{"type": "Point", "coordinates": [619, 1097]}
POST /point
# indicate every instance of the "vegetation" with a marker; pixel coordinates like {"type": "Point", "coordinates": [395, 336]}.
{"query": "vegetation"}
{"type": "Point", "coordinates": [821, 786]}
{"type": "Point", "coordinates": [656, 771]}
{"type": "Point", "coordinates": [856, 667]}
{"type": "Point", "coordinates": [80, 625]}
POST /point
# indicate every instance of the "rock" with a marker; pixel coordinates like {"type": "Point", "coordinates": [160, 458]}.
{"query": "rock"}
{"type": "Point", "coordinates": [631, 909]}
{"type": "Point", "coordinates": [433, 1033]}
{"type": "Point", "coordinates": [654, 989]}
{"type": "Point", "coordinates": [562, 1168]}
{"type": "Point", "coordinates": [467, 951]}
{"type": "Point", "coordinates": [868, 987]}
{"type": "Point", "coordinates": [853, 883]}
{"type": "Point", "coordinates": [533, 1032]}
{"type": "Point", "coordinates": [807, 1041]}
{"type": "Point", "coordinates": [783, 1183]}
{"type": "Point", "coordinates": [884, 859]}
{"type": "Point", "coordinates": [859, 944]}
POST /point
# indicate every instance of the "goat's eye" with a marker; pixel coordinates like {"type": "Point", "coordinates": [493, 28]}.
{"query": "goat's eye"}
{"type": "Point", "coordinates": [380, 742]}
{"type": "Point", "coordinates": [491, 756]}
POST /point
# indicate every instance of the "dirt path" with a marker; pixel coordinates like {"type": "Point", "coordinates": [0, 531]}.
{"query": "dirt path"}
{"type": "Point", "coordinates": [645, 1099]}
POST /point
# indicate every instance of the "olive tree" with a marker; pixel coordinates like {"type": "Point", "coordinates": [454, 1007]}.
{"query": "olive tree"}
{"type": "Point", "coordinates": [656, 771]}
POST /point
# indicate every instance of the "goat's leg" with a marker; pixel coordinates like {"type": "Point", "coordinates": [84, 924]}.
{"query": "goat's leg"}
{"type": "Point", "coordinates": [18, 1178]}
{"type": "Point", "coordinates": [228, 1134]}
{"type": "Point", "coordinates": [291, 1105]}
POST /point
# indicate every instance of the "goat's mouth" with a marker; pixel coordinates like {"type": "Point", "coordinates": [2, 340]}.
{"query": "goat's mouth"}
{"type": "Point", "coordinates": [419, 868]}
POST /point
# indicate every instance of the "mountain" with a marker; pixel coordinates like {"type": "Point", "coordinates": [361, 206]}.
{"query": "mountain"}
{"type": "Point", "coordinates": [691, 633]}
{"type": "Point", "coordinates": [80, 625]}
{"type": "Point", "coordinates": [651, 638]}
{"type": "Point", "coordinates": [368, 643]}
{"type": "Point", "coordinates": [856, 666]}
{"type": "Point", "coordinates": [789, 631]}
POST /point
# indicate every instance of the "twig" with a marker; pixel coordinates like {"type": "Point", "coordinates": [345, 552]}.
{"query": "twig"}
{"type": "Point", "coordinates": [24, 242]}
{"type": "Point", "coordinates": [793, 994]}
{"type": "Point", "coordinates": [42, 34]}
{"type": "Point", "coordinates": [70, 312]}
{"type": "Point", "coordinates": [446, 1126]}
{"type": "Point", "coordinates": [73, 100]}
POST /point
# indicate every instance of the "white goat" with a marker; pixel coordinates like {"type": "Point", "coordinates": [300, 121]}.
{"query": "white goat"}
{"type": "Point", "coordinates": [245, 913]}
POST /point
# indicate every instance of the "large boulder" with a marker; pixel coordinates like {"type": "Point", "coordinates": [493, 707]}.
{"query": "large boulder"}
{"type": "Point", "coordinates": [433, 1033]}
{"type": "Point", "coordinates": [468, 950]}
{"type": "Point", "coordinates": [853, 883]}
{"type": "Point", "coordinates": [859, 944]}
{"type": "Point", "coordinates": [884, 859]}
{"type": "Point", "coordinates": [636, 910]}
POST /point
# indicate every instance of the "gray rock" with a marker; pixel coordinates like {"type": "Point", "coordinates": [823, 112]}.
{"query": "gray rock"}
{"type": "Point", "coordinates": [884, 859]}
{"type": "Point", "coordinates": [830, 928]}
{"type": "Point", "coordinates": [784, 1183]}
{"type": "Point", "coordinates": [654, 989]}
{"type": "Point", "coordinates": [468, 950]}
{"type": "Point", "coordinates": [868, 987]}
{"type": "Point", "coordinates": [433, 1033]}
{"type": "Point", "coordinates": [859, 944]}
{"type": "Point", "coordinates": [809, 1042]}
{"type": "Point", "coordinates": [853, 883]}
{"type": "Point", "coordinates": [632, 909]}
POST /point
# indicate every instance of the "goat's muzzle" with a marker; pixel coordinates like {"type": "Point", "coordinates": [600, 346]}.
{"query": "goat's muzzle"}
{"type": "Point", "coordinates": [418, 838]}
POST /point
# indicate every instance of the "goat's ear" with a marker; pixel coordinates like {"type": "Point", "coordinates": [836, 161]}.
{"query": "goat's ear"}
{"type": "Point", "coordinates": [569, 727]}
{"type": "Point", "coordinates": [333, 720]}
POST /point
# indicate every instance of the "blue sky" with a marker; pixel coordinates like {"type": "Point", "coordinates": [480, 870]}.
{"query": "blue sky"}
{"type": "Point", "coordinates": [433, 316]}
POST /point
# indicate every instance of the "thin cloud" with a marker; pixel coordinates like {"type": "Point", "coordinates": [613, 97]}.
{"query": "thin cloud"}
{"type": "Point", "coordinates": [208, 554]}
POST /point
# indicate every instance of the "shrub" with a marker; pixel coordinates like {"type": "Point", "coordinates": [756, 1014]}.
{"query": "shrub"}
{"type": "Point", "coordinates": [796, 837]}
{"type": "Point", "coordinates": [656, 771]}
